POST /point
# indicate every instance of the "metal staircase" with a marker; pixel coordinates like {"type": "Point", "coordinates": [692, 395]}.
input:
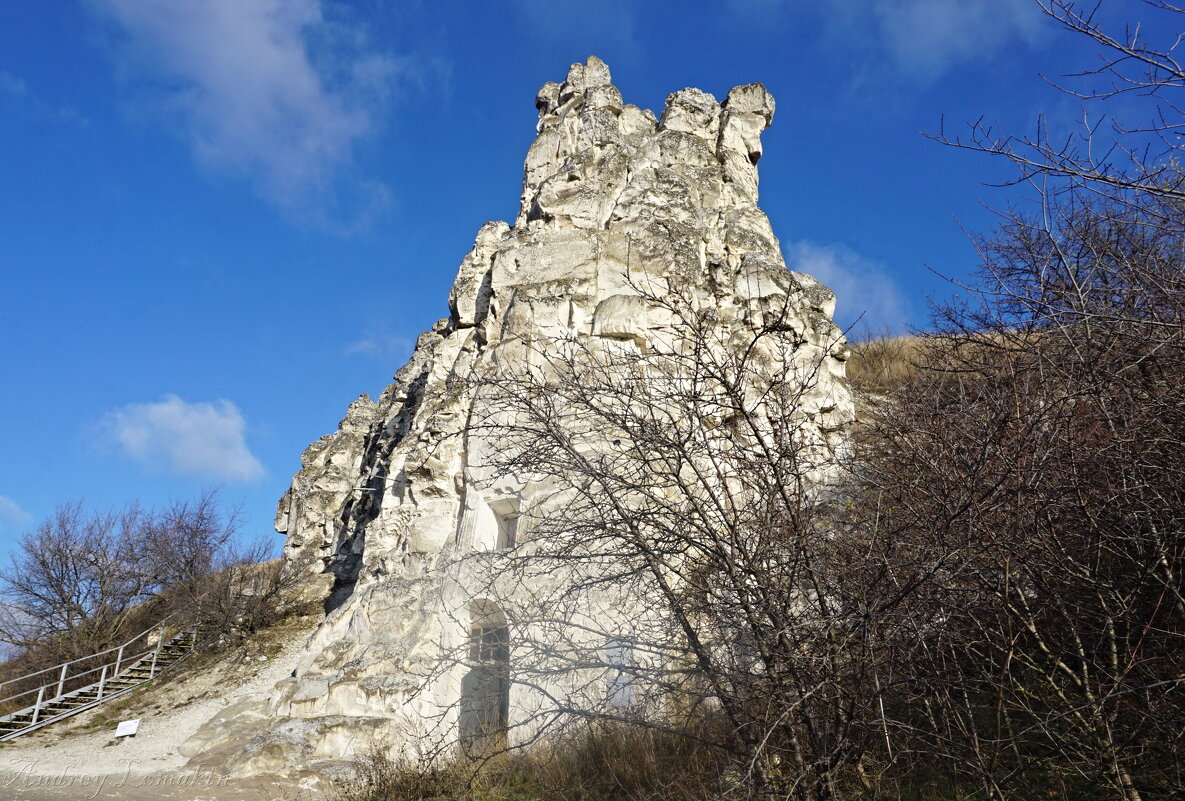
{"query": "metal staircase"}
{"type": "Point", "coordinates": [81, 684]}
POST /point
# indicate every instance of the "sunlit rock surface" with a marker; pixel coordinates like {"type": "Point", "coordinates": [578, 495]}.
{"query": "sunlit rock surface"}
{"type": "Point", "coordinates": [382, 506]}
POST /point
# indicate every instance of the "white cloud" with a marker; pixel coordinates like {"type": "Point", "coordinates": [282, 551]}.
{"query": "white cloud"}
{"type": "Point", "coordinates": [268, 89]}
{"type": "Point", "coordinates": [204, 440]}
{"type": "Point", "coordinates": [926, 37]}
{"type": "Point", "coordinates": [11, 514]}
{"type": "Point", "coordinates": [864, 291]}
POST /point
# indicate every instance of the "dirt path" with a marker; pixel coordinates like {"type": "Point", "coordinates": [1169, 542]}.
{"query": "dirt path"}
{"type": "Point", "coordinates": [79, 759]}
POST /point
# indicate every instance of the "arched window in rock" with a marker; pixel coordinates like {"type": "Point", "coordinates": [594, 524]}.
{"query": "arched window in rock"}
{"type": "Point", "coordinates": [485, 688]}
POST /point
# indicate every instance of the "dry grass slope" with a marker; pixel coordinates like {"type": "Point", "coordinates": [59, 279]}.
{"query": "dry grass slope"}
{"type": "Point", "coordinates": [879, 364]}
{"type": "Point", "coordinates": [607, 762]}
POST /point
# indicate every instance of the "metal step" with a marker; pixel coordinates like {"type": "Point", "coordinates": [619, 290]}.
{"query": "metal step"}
{"type": "Point", "coordinates": [129, 676]}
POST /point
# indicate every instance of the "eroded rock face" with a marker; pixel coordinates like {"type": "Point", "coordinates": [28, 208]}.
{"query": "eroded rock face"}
{"type": "Point", "coordinates": [381, 506]}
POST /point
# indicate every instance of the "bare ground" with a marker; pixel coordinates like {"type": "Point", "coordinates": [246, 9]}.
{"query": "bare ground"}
{"type": "Point", "coordinates": [80, 758]}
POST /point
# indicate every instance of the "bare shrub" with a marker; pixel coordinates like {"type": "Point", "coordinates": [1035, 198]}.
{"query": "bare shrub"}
{"type": "Point", "coordinates": [1024, 488]}
{"type": "Point", "coordinates": [378, 777]}
{"type": "Point", "coordinates": [1042, 454]}
{"type": "Point", "coordinates": [248, 593]}
{"type": "Point", "coordinates": [604, 761]}
{"type": "Point", "coordinates": [673, 556]}
{"type": "Point", "coordinates": [83, 581]}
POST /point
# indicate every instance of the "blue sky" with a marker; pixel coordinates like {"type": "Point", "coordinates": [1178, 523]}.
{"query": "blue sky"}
{"type": "Point", "coordinates": [222, 220]}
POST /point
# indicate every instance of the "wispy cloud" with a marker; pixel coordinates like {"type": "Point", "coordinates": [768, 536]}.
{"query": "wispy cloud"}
{"type": "Point", "coordinates": [382, 346]}
{"type": "Point", "coordinates": [606, 20]}
{"type": "Point", "coordinates": [926, 37]}
{"type": "Point", "coordinates": [864, 290]}
{"type": "Point", "coordinates": [203, 440]}
{"type": "Point", "coordinates": [921, 38]}
{"type": "Point", "coordinates": [268, 89]}
{"type": "Point", "coordinates": [12, 84]}
{"type": "Point", "coordinates": [11, 514]}
{"type": "Point", "coordinates": [16, 89]}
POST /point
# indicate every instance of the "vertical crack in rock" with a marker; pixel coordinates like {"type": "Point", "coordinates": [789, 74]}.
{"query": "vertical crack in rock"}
{"type": "Point", "coordinates": [611, 193]}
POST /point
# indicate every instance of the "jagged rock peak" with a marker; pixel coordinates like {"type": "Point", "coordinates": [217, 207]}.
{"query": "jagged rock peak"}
{"type": "Point", "coordinates": [586, 131]}
{"type": "Point", "coordinates": [385, 509]}
{"type": "Point", "coordinates": [611, 196]}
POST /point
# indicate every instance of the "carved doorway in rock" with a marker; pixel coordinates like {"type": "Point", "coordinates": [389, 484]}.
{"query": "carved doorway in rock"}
{"type": "Point", "coordinates": [485, 689]}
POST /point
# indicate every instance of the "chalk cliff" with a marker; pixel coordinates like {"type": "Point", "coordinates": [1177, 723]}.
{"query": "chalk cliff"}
{"type": "Point", "coordinates": [379, 507]}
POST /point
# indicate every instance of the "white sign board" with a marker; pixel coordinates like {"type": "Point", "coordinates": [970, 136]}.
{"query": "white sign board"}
{"type": "Point", "coordinates": [127, 728]}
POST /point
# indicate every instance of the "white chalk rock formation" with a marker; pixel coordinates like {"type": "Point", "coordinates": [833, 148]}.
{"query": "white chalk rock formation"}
{"type": "Point", "coordinates": [382, 505]}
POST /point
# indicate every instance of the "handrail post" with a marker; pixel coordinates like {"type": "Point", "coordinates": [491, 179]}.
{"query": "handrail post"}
{"type": "Point", "coordinates": [160, 642]}
{"type": "Point", "coordinates": [62, 679]}
{"type": "Point", "coordinates": [118, 659]}
{"type": "Point", "coordinates": [37, 706]}
{"type": "Point", "coordinates": [102, 681]}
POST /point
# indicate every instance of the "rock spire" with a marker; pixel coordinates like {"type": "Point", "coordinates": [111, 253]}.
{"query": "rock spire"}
{"type": "Point", "coordinates": [610, 192]}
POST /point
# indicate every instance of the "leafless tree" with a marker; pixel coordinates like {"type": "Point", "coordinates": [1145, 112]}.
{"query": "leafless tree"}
{"type": "Point", "coordinates": [1026, 483]}
{"type": "Point", "coordinates": [1121, 159]}
{"type": "Point", "coordinates": [1030, 474]}
{"type": "Point", "coordinates": [75, 579]}
{"type": "Point", "coordinates": [996, 601]}
{"type": "Point", "coordinates": [672, 563]}
{"type": "Point", "coordinates": [82, 580]}
{"type": "Point", "coordinates": [989, 604]}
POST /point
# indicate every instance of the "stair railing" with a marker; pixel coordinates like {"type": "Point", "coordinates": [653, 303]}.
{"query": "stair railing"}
{"type": "Point", "coordinates": [107, 671]}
